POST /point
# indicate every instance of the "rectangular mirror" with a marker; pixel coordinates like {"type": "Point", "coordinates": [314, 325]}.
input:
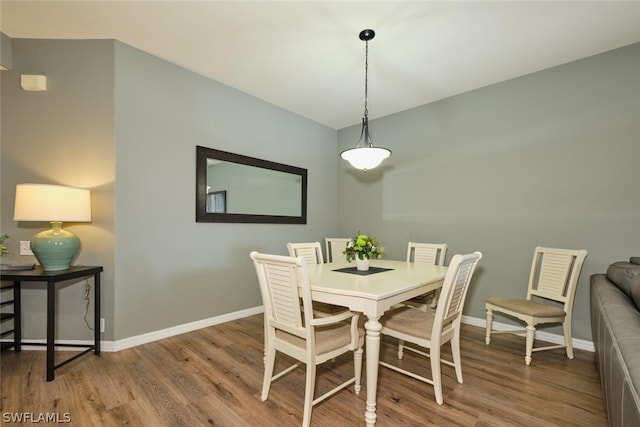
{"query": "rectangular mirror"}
{"type": "Point", "coordinates": [235, 188]}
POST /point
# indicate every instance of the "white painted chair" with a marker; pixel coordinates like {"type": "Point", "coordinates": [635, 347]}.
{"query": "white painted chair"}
{"type": "Point", "coordinates": [294, 331]}
{"type": "Point", "coordinates": [431, 329]}
{"type": "Point", "coordinates": [334, 247]}
{"type": "Point", "coordinates": [553, 278]}
{"type": "Point", "coordinates": [311, 252]}
{"type": "Point", "coordinates": [430, 253]}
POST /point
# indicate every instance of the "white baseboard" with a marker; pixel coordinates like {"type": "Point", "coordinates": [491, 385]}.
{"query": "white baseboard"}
{"type": "Point", "coordinates": [543, 336]}
{"type": "Point", "coordinates": [111, 346]}
{"type": "Point", "coordinates": [177, 330]}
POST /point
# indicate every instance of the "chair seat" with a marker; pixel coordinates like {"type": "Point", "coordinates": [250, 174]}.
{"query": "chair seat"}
{"type": "Point", "coordinates": [328, 338]}
{"type": "Point", "coordinates": [527, 307]}
{"type": "Point", "coordinates": [410, 321]}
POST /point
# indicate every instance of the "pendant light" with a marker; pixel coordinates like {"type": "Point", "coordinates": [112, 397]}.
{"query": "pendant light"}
{"type": "Point", "coordinates": [366, 156]}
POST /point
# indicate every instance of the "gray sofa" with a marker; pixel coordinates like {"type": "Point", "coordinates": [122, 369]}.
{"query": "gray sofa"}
{"type": "Point", "coordinates": [615, 325]}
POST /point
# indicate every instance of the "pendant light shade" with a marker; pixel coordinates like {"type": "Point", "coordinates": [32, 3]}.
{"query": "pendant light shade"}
{"type": "Point", "coordinates": [365, 156]}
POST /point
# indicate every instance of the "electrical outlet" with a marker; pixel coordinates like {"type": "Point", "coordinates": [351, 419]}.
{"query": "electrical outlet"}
{"type": "Point", "coordinates": [102, 324]}
{"type": "Point", "coordinates": [25, 247]}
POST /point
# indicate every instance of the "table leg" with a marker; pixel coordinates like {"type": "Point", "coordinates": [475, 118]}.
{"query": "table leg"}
{"type": "Point", "coordinates": [17, 317]}
{"type": "Point", "coordinates": [51, 309]}
{"type": "Point", "coordinates": [373, 328]}
{"type": "Point", "coordinates": [97, 322]}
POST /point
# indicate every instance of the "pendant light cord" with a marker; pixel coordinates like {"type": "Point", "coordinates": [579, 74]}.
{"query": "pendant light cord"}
{"type": "Point", "coordinates": [365, 120]}
{"type": "Point", "coordinates": [366, 78]}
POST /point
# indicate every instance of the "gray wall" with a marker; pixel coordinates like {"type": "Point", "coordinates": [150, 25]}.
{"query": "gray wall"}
{"type": "Point", "coordinates": [170, 269]}
{"type": "Point", "coordinates": [61, 136]}
{"type": "Point", "coordinates": [545, 159]}
{"type": "Point", "coordinates": [125, 125]}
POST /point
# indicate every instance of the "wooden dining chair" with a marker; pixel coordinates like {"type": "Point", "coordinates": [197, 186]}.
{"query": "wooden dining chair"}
{"type": "Point", "coordinates": [431, 329]}
{"type": "Point", "coordinates": [429, 253]}
{"type": "Point", "coordinates": [553, 279]}
{"type": "Point", "coordinates": [334, 247]}
{"type": "Point", "coordinates": [311, 252]}
{"type": "Point", "coordinates": [292, 329]}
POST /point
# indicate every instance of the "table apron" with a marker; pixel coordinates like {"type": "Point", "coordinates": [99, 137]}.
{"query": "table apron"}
{"type": "Point", "coordinates": [369, 306]}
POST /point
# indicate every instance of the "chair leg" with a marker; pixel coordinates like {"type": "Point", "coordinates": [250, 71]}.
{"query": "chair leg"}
{"type": "Point", "coordinates": [455, 352]}
{"type": "Point", "coordinates": [357, 366]}
{"type": "Point", "coordinates": [436, 297]}
{"type": "Point", "coordinates": [531, 333]}
{"type": "Point", "coordinates": [568, 342]}
{"type": "Point", "coordinates": [308, 394]}
{"type": "Point", "coordinates": [268, 371]}
{"type": "Point", "coordinates": [487, 337]}
{"type": "Point", "coordinates": [400, 349]}
{"type": "Point", "coordinates": [264, 357]}
{"type": "Point", "coordinates": [436, 374]}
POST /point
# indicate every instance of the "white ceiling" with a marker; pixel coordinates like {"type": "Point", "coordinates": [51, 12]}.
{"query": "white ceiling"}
{"type": "Point", "coordinates": [306, 57]}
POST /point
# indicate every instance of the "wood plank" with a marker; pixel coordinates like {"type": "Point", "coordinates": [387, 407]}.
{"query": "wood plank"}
{"type": "Point", "coordinates": [213, 376]}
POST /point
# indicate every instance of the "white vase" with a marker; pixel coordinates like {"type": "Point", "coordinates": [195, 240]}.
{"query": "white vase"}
{"type": "Point", "coordinates": [362, 264]}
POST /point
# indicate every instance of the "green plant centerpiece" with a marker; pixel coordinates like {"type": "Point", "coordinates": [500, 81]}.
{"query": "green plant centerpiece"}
{"type": "Point", "coordinates": [363, 246]}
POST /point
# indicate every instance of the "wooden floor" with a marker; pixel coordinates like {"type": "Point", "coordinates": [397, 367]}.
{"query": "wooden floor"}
{"type": "Point", "coordinates": [213, 377]}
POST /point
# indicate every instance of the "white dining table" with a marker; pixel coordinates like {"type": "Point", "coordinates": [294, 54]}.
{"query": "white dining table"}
{"type": "Point", "coordinates": [373, 294]}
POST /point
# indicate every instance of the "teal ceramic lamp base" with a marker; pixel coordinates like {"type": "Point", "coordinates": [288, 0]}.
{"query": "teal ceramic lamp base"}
{"type": "Point", "coordinates": [56, 248]}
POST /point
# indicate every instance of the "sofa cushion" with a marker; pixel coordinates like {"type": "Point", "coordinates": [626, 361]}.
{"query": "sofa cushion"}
{"type": "Point", "coordinates": [626, 276]}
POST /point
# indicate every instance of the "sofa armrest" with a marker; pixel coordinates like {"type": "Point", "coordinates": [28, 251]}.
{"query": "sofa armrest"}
{"type": "Point", "coordinates": [615, 325]}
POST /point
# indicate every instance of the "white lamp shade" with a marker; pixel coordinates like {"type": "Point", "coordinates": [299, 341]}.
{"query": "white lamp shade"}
{"type": "Point", "coordinates": [365, 157]}
{"type": "Point", "coordinates": [44, 202]}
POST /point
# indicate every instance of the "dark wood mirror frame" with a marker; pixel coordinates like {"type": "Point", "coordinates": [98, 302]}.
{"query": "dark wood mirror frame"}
{"type": "Point", "coordinates": [204, 153]}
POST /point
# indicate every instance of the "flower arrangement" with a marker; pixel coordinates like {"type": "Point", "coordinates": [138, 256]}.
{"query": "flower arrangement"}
{"type": "Point", "coordinates": [3, 247]}
{"type": "Point", "coordinates": [363, 246]}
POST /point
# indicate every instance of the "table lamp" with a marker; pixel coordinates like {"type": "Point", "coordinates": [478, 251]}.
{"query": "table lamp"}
{"type": "Point", "coordinates": [56, 248]}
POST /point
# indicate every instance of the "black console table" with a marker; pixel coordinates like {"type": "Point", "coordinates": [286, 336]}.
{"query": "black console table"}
{"type": "Point", "coordinates": [51, 278]}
